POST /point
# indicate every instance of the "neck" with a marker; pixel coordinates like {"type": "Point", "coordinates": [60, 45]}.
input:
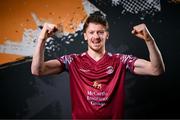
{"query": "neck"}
{"type": "Point", "coordinates": [96, 55]}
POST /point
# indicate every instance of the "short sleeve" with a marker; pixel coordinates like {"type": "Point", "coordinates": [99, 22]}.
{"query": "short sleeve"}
{"type": "Point", "coordinates": [66, 61]}
{"type": "Point", "coordinates": [128, 60]}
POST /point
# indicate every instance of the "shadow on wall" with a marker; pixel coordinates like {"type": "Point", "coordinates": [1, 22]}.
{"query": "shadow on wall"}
{"type": "Point", "coordinates": [26, 96]}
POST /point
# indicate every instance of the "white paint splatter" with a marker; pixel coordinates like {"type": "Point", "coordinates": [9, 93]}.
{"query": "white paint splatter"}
{"type": "Point", "coordinates": [90, 8]}
{"type": "Point", "coordinates": [115, 2]}
{"type": "Point", "coordinates": [135, 7]}
{"type": "Point", "coordinates": [27, 45]}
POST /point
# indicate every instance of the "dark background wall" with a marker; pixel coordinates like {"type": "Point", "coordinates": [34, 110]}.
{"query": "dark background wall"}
{"type": "Point", "coordinates": [25, 96]}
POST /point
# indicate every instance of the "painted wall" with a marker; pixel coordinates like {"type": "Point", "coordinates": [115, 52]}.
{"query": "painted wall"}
{"type": "Point", "coordinates": [21, 18]}
{"type": "Point", "coordinates": [25, 96]}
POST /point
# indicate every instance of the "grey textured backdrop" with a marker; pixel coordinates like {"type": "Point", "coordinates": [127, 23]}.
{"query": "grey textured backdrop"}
{"type": "Point", "coordinates": [25, 96]}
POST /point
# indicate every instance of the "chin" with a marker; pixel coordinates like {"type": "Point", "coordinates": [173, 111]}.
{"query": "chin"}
{"type": "Point", "coordinates": [96, 49]}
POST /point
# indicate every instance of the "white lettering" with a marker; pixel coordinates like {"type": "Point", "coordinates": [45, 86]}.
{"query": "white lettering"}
{"type": "Point", "coordinates": [97, 98]}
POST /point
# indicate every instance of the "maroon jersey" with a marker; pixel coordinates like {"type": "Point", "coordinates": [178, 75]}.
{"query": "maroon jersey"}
{"type": "Point", "coordinates": [97, 87]}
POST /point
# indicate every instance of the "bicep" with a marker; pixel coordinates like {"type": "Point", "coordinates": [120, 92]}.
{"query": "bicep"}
{"type": "Point", "coordinates": [142, 67]}
{"type": "Point", "coordinates": [52, 67]}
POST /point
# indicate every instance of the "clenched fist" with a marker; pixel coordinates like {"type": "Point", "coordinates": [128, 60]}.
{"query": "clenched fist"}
{"type": "Point", "coordinates": [48, 30]}
{"type": "Point", "coordinates": [142, 32]}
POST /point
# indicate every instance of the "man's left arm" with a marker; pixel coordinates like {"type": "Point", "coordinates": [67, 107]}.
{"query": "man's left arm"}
{"type": "Point", "coordinates": [155, 66]}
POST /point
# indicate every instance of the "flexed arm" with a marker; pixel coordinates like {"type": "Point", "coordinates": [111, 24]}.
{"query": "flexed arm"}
{"type": "Point", "coordinates": [155, 66]}
{"type": "Point", "coordinates": [39, 67]}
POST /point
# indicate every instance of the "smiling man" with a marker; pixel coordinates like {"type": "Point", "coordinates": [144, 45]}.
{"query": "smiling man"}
{"type": "Point", "coordinates": [97, 76]}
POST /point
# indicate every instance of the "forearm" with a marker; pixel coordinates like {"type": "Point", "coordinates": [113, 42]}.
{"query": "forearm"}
{"type": "Point", "coordinates": [37, 65]}
{"type": "Point", "coordinates": [155, 56]}
{"type": "Point", "coordinates": [154, 66]}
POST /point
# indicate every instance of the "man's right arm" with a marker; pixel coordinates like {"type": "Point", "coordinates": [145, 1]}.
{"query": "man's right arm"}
{"type": "Point", "coordinates": [39, 67]}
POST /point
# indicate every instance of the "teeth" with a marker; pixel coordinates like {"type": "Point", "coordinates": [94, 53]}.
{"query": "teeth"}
{"type": "Point", "coordinates": [96, 42]}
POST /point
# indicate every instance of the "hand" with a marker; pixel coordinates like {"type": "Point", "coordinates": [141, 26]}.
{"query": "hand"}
{"type": "Point", "coordinates": [142, 32]}
{"type": "Point", "coordinates": [48, 30]}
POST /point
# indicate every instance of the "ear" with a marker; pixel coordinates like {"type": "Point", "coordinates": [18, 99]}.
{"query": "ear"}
{"type": "Point", "coordinates": [85, 36]}
{"type": "Point", "coordinates": [107, 35]}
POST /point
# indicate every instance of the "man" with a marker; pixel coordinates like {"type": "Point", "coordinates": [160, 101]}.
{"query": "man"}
{"type": "Point", "coordinates": [97, 76]}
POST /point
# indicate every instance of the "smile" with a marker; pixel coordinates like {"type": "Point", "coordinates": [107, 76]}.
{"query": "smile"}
{"type": "Point", "coordinates": [96, 41]}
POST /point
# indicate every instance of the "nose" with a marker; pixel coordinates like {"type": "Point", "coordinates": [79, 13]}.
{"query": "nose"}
{"type": "Point", "coordinates": [96, 35]}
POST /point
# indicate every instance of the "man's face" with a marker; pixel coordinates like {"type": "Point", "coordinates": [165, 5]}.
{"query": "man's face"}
{"type": "Point", "coordinates": [96, 36]}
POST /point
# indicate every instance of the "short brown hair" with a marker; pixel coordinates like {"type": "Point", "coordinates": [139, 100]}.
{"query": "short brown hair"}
{"type": "Point", "coordinates": [96, 17]}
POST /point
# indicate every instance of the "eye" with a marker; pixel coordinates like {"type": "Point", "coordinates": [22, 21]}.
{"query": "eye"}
{"type": "Point", "coordinates": [91, 32]}
{"type": "Point", "coordinates": [101, 32]}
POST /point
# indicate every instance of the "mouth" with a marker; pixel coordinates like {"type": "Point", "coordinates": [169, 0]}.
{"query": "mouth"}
{"type": "Point", "coordinates": [96, 42]}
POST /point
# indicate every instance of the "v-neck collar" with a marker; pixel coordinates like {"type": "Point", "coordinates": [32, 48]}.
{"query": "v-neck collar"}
{"type": "Point", "coordinates": [94, 61]}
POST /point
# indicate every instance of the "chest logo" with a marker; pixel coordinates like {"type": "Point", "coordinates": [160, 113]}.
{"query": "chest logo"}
{"type": "Point", "coordinates": [97, 85]}
{"type": "Point", "coordinates": [110, 70]}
